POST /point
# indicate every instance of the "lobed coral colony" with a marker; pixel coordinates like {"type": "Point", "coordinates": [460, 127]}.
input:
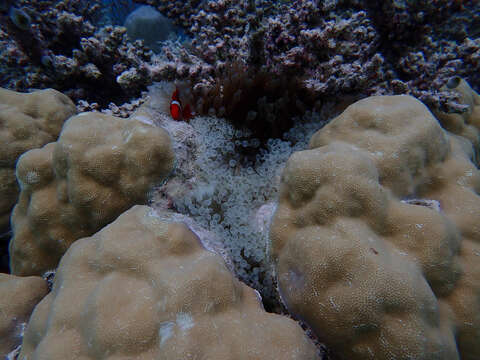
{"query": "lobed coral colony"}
{"type": "Point", "coordinates": [239, 180]}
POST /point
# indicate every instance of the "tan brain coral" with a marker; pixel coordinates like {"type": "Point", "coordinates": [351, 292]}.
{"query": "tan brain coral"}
{"type": "Point", "coordinates": [27, 121]}
{"type": "Point", "coordinates": [99, 167]}
{"type": "Point", "coordinates": [142, 288]}
{"type": "Point", "coordinates": [376, 238]}
{"type": "Point", "coordinates": [18, 297]}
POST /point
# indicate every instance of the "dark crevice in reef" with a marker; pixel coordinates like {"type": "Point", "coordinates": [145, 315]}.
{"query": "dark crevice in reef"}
{"type": "Point", "coordinates": [102, 91]}
{"type": "Point", "coordinates": [5, 237]}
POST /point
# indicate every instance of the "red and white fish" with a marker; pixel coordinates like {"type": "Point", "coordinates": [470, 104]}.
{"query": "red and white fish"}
{"type": "Point", "coordinates": [177, 111]}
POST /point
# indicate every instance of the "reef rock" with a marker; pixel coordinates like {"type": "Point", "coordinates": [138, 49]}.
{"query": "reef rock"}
{"type": "Point", "coordinates": [147, 24]}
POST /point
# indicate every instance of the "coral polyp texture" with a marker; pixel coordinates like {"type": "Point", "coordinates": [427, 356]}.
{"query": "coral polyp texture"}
{"type": "Point", "coordinates": [375, 238]}
{"type": "Point", "coordinates": [27, 121]}
{"type": "Point", "coordinates": [99, 167]}
{"type": "Point", "coordinates": [18, 297]}
{"type": "Point", "coordinates": [146, 289]}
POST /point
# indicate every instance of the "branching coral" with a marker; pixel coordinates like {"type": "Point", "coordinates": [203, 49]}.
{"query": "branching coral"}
{"type": "Point", "coordinates": [64, 50]}
{"type": "Point", "coordinates": [332, 48]}
{"type": "Point", "coordinates": [339, 47]}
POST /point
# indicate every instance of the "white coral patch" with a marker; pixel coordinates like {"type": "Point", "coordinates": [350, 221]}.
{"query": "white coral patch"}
{"type": "Point", "coordinates": [32, 177]}
{"type": "Point", "coordinates": [165, 331]}
{"type": "Point", "coordinates": [153, 221]}
{"type": "Point", "coordinates": [185, 321]}
{"type": "Point", "coordinates": [144, 119]}
{"type": "Point", "coordinates": [127, 137]}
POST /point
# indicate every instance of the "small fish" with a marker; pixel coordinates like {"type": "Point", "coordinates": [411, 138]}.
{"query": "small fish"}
{"type": "Point", "coordinates": [177, 111]}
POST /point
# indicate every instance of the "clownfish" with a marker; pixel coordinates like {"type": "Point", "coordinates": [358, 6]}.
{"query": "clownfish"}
{"type": "Point", "coordinates": [176, 110]}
